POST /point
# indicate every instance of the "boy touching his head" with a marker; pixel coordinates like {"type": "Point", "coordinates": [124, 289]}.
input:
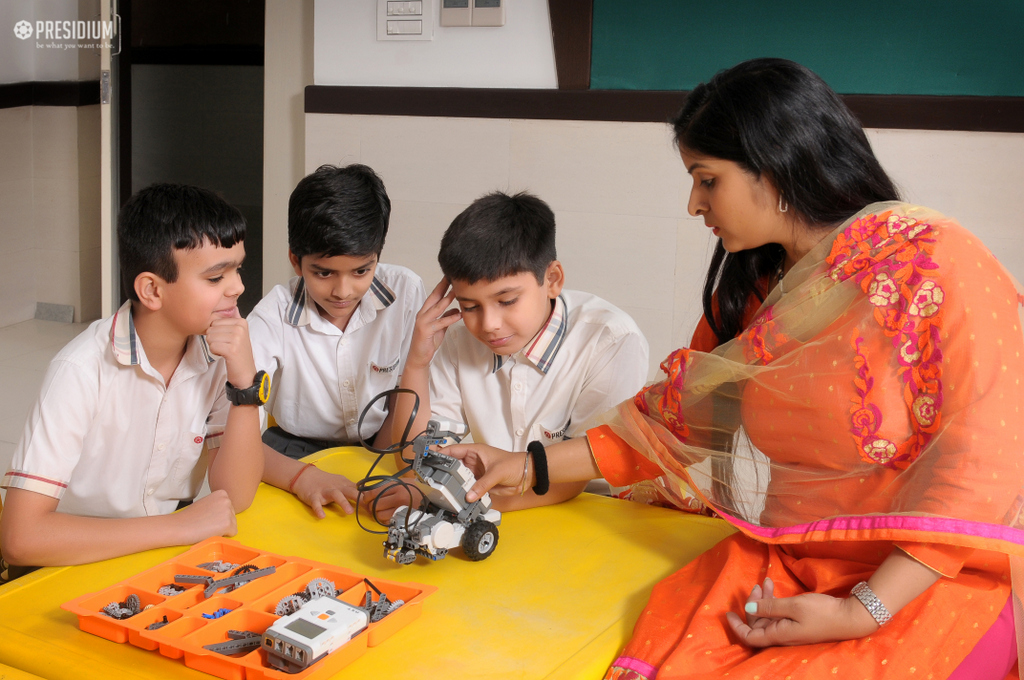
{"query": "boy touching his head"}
{"type": "Point", "coordinates": [533, 361]}
{"type": "Point", "coordinates": [337, 335]}
{"type": "Point", "coordinates": [136, 409]}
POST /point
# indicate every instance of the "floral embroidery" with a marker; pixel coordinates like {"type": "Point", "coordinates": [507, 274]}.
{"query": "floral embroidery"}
{"type": "Point", "coordinates": [665, 398]}
{"type": "Point", "coordinates": [889, 257]}
{"type": "Point", "coordinates": [762, 337]}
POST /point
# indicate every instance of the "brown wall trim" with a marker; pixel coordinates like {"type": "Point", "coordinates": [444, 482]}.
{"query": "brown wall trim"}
{"type": "Point", "coordinates": [571, 29]}
{"type": "Point", "coordinates": [908, 112]}
{"type": "Point", "coordinates": [50, 93]}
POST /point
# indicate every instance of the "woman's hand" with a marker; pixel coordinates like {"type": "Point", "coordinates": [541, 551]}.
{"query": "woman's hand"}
{"type": "Point", "coordinates": [498, 472]}
{"type": "Point", "coordinates": [800, 620]}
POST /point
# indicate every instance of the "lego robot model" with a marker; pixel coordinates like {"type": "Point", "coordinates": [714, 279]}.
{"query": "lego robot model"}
{"type": "Point", "coordinates": [445, 520]}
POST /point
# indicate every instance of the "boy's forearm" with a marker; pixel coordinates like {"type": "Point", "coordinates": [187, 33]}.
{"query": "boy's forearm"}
{"type": "Point", "coordinates": [416, 379]}
{"type": "Point", "coordinates": [237, 467]}
{"type": "Point", "coordinates": [56, 539]}
{"type": "Point", "coordinates": [279, 469]}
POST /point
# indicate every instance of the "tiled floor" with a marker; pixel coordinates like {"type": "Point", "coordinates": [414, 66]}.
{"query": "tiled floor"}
{"type": "Point", "coordinates": [25, 351]}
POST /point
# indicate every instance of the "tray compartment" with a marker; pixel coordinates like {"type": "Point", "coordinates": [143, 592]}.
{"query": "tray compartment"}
{"type": "Point", "coordinates": [218, 549]}
{"type": "Point", "coordinates": [223, 666]}
{"type": "Point", "coordinates": [169, 638]}
{"type": "Point", "coordinates": [138, 623]}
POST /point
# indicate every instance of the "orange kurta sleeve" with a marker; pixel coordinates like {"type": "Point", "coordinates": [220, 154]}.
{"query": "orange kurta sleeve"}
{"type": "Point", "coordinates": [620, 464]}
{"type": "Point", "coordinates": [945, 559]}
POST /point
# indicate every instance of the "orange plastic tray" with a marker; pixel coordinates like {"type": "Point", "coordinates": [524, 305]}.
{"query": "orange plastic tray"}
{"type": "Point", "coordinates": [252, 608]}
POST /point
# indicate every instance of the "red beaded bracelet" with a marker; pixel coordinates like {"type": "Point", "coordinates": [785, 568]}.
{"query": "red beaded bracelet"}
{"type": "Point", "coordinates": [298, 474]}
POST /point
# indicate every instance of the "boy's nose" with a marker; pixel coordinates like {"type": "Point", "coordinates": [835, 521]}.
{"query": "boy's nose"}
{"type": "Point", "coordinates": [491, 320]}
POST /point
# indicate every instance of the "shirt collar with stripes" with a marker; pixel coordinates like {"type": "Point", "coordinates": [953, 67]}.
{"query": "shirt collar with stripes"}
{"type": "Point", "coordinates": [541, 351]}
{"type": "Point", "coordinates": [125, 341]}
{"type": "Point", "coordinates": [302, 307]}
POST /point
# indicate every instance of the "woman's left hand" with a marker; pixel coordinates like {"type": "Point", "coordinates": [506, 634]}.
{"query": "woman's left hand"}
{"type": "Point", "coordinates": [800, 620]}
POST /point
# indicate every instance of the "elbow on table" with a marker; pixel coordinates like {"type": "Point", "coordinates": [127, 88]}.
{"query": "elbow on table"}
{"type": "Point", "coordinates": [17, 547]}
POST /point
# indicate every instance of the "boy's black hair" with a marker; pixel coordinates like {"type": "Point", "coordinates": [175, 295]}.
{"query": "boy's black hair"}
{"type": "Point", "coordinates": [338, 211]}
{"type": "Point", "coordinates": [163, 218]}
{"type": "Point", "coordinates": [499, 235]}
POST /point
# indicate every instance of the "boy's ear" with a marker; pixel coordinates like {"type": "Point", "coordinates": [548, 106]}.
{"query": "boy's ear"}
{"type": "Point", "coordinates": [296, 262]}
{"type": "Point", "coordinates": [554, 279]}
{"type": "Point", "coordinates": [150, 289]}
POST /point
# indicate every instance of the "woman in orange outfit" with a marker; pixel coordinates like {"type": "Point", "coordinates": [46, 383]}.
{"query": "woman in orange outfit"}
{"type": "Point", "coordinates": [851, 403]}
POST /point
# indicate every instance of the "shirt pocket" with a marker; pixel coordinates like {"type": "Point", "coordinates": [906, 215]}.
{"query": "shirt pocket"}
{"type": "Point", "coordinates": [551, 435]}
{"type": "Point", "coordinates": [383, 372]}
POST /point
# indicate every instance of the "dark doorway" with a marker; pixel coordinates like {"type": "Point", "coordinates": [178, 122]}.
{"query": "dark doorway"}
{"type": "Point", "coordinates": [191, 110]}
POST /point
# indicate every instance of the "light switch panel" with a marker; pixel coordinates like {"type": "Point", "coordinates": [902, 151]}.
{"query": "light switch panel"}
{"type": "Point", "coordinates": [456, 13]}
{"type": "Point", "coordinates": [405, 20]}
{"type": "Point", "coordinates": [488, 12]}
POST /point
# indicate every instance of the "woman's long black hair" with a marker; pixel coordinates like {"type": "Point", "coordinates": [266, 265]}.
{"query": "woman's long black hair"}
{"type": "Point", "coordinates": [775, 118]}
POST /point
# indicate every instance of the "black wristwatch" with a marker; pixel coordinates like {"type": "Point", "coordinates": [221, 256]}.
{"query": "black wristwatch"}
{"type": "Point", "coordinates": [255, 395]}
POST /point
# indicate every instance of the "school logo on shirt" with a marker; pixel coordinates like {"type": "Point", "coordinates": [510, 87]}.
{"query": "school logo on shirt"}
{"type": "Point", "coordinates": [384, 369]}
{"type": "Point", "coordinates": [198, 440]}
{"type": "Point", "coordinates": [557, 436]}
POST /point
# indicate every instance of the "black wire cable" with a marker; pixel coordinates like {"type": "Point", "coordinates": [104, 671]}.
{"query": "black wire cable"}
{"type": "Point", "coordinates": [382, 483]}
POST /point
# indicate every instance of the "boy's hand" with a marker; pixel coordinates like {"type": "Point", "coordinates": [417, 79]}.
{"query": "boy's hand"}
{"type": "Point", "coordinates": [391, 498]}
{"type": "Point", "coordinates": [212, 515]}
{"type": "Point", "coordinates": [228, 337]}
{"type": "Point", "coordinates": [431, 324]}
{"type": "Point", "coordinates": [317, 488]}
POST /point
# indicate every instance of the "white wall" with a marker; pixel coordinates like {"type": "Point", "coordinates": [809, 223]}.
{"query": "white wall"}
{"type": "Point", "coordinates": [517, 55]}
{"type": "Point", "coordinates": [619, 195]}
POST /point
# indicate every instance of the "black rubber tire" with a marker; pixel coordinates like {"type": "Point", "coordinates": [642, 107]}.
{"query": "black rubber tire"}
{"type": "Point", "coordinates": [480, 540]}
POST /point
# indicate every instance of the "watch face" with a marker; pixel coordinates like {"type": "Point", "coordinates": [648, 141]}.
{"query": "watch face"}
{"type": "Point", "coordinates": [264, 392]}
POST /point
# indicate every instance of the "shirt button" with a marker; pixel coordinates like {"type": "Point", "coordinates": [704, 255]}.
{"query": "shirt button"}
{"type": "Point", "coordinates": [149, 492]}
{"type": "Point", "coordinates": [519, 432]}
{"type": "Point", "coordinates": [347, 383]}
{"type": "Point", "coordinates": [160, 447]}
{"type": "Point", "coordinates": [519, 386]}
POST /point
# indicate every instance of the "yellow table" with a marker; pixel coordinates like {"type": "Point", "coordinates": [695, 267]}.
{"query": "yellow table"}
{"type": "Point", "coordinates": [557, 599]}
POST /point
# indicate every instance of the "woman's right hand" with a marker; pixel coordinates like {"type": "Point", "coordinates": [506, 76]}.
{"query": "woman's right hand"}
{"type": "Point", "coordinates": [498, 472]}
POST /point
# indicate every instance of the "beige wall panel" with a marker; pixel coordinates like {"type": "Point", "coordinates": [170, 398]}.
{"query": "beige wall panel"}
{"type": "Point", "coordinates": [598, 167]}
{"type": "Point", "coordinates": [55, 142]}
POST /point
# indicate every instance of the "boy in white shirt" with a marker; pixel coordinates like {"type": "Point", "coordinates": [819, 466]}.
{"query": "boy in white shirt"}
{"type": "Point", "coordinates": [533, 362]}
{"type": "Point", "coordinates": [337, 335]}
{"type": "Point", "coordinates": [134, 410]}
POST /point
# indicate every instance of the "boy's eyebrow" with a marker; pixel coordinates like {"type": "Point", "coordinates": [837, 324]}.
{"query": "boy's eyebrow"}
{"type": "Point", "coordinates": [227, 264]}
{"type": "Point", "coordinates": [363, 265]}
{"type": "Point", "coordinates": [503, 291]}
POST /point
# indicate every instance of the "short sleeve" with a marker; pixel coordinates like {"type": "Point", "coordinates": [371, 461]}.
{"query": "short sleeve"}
{"type": "Point", "coordinates": [412, 306]}
{"type": "Point", "coordinates": [617, 374]}
{"type": "Point", "coordinates": [445, 395]}
{"type": "Point", "coordinates": [51, 443]}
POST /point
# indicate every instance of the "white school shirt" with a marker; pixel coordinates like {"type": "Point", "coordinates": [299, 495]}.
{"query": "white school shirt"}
{"type": "Point", "coordinates": [108, 438]}
{"type": "Point", "coordinates": [589, 356]}
{"type": "Point", "coordinates": [322, 377]}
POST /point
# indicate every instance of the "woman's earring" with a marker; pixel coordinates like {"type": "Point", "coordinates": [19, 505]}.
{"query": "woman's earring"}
{"type": "Point", "coordinates": [783, 206]}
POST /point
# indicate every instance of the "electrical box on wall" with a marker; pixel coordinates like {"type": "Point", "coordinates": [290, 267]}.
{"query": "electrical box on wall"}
{"type": "Point", "coordinates": [405, 19]}
{"type": "Point", "coordinates": [473, 12]}
{"type": "Point", "coordinates": [488, 12]}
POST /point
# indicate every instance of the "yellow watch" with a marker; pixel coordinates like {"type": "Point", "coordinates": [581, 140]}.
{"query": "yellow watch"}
{"type": "Point", "coordinates": [256, 394]}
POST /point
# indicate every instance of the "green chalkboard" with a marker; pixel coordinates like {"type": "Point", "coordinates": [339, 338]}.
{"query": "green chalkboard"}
{"type": "Point", "coordinates": [937, 47]}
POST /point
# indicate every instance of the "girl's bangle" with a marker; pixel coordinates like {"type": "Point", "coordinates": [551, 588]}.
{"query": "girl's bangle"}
{"type": "Point", "coordinates": [291, 484]}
